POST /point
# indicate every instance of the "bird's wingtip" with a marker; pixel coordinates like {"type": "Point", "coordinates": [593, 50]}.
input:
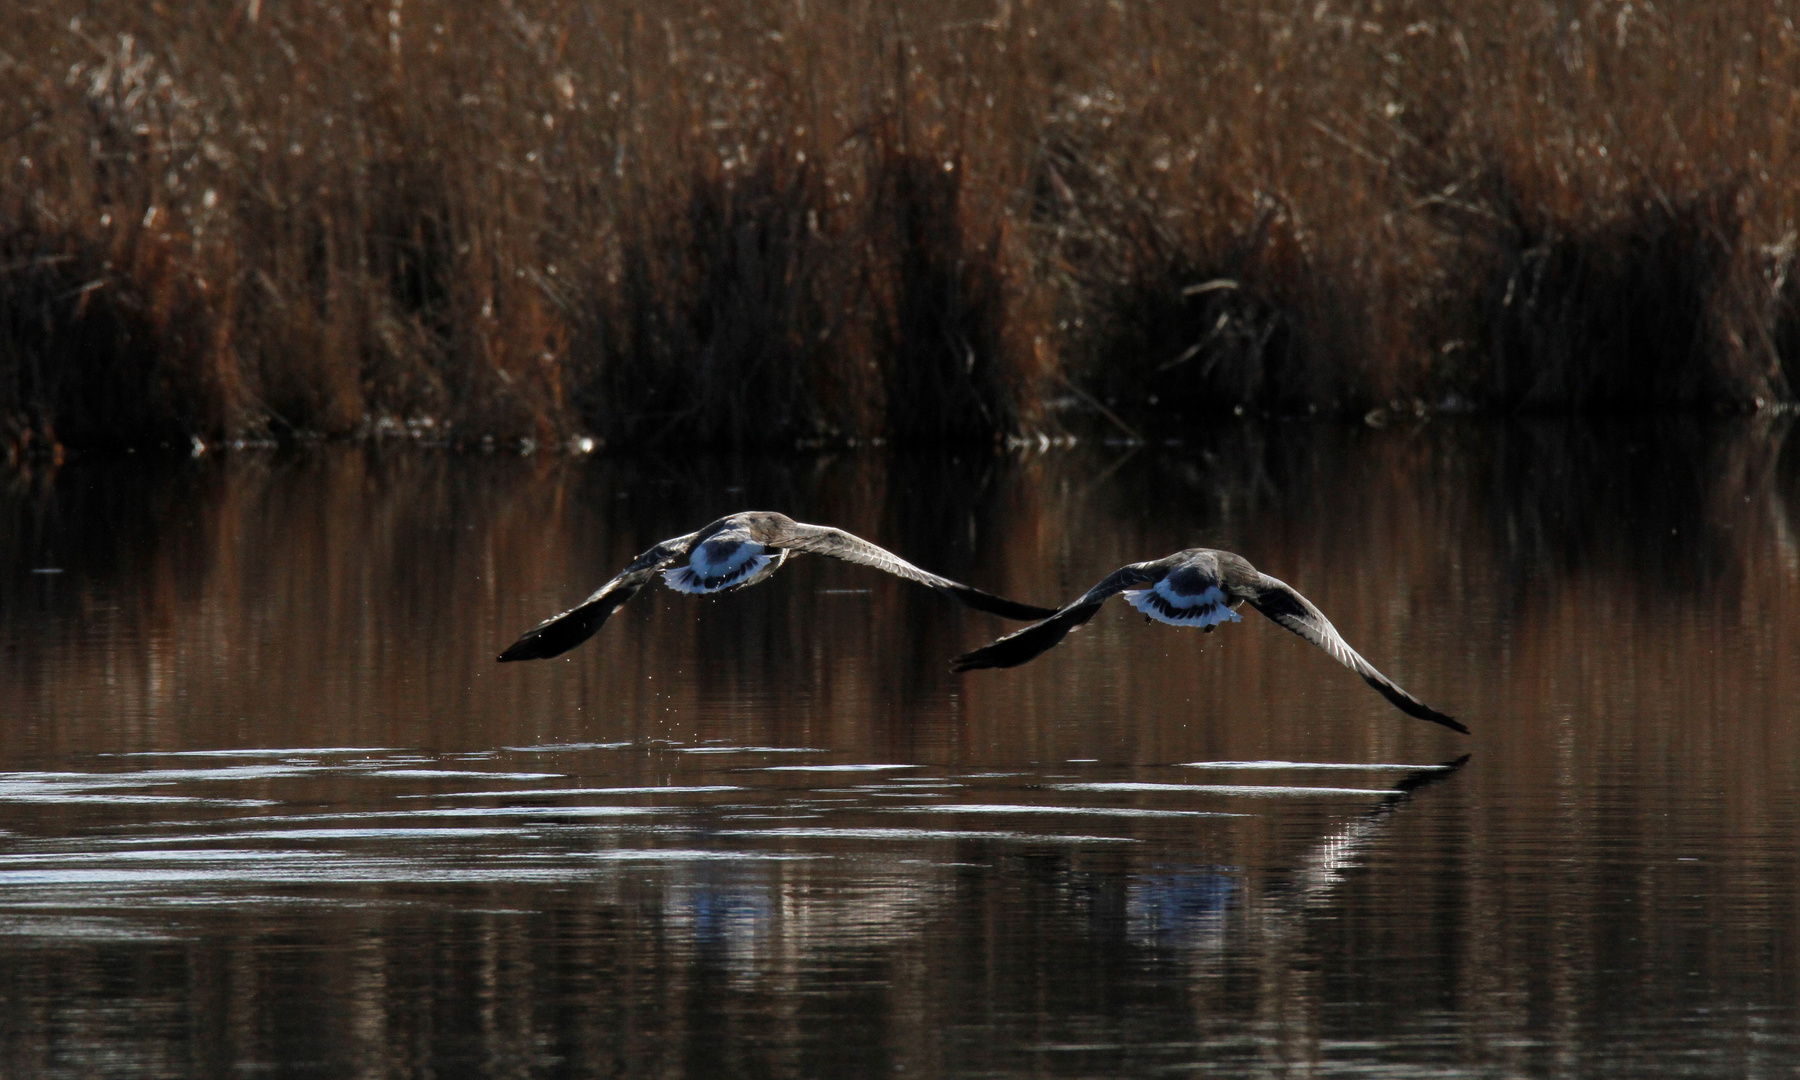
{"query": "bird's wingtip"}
{"type": "Point", "coordinates": [1450, 722]}
{"type": "Point", "coordinates": [979, 659]}
{"type": "Point", "coordinates": [541, 644]}
{"type": "Point", "coordinates": [1412, 706]}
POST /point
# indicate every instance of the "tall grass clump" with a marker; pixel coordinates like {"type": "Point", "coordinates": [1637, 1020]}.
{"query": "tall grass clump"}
{"type": "Point", "coordinates": [941, 221]}
{"type": "Point", "coordinates": [527, 221]}
{"type": "Point", "coordinates": [1551, 206]}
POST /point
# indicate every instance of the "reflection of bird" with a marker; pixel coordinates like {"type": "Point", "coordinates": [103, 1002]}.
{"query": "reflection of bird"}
{"type": "Point", "coordinates": [1182, 907]}
{"type": "Point", "coordinates": [1198, 587]}
{"type": "Point", "coordinates": [1323, 866]}
{"type": "Point", "coordinates": [731, 553]}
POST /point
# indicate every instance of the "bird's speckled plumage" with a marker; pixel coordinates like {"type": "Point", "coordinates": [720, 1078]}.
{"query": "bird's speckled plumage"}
{"type": "Point", "coordinates": [731, 553]}
{"type": "Point", "coordinates": [1198, 587]}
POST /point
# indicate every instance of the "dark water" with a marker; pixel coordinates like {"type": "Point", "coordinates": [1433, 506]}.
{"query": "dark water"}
{"type": "Point", "coordinates": [268, 807]}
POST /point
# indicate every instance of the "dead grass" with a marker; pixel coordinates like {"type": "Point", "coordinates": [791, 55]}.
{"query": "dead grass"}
{"type": "Point", "coordinates": [795, 222]}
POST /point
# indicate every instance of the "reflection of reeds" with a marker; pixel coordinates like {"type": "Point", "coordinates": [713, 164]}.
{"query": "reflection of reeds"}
{"type": "Point", "coordinates": [763, 224]}
{"type": "Point", "coordinates": [1631, 690]}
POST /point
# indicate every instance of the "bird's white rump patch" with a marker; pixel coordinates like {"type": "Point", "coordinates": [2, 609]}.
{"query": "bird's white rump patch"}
{"type": "Point", "coordinates": [718, 565]}
{"type": "Point", "coordinates": [1208, 608]}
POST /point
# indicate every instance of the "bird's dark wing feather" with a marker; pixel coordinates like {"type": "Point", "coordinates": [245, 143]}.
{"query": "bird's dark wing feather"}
{"type": "Point", "coordinates": [1280, 602]}
{"type": "Point", "coordinates": [824, 540]}
{"type": "Point", "coordinates": [557, 635]}
{"type": "Point", "coordinates": [1022, 645]}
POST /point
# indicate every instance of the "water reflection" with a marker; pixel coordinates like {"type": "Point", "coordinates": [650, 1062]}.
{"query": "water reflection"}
{"type": "Point", "coordinates": [267, 804]}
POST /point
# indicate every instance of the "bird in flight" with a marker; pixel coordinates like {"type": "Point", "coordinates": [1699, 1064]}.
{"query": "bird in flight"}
{"type": "Point", "coordinates": [1198, 587]}
{"type": "Point", "coordinates": [731, 553]}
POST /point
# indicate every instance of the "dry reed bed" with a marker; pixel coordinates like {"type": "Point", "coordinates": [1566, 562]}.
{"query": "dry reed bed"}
{"type": "Point", "coordinates": [926, 222]}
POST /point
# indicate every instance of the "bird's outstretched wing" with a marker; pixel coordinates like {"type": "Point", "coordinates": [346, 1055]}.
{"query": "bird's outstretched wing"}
{"type": "Point", "coordinates": [1038, 638]}
{"type": "Point", "coordinates": [558, 634]}
{"type": "Point", "coordinates": [825, 540]}
{"type": "Point", "coordinates": [1280, 602]}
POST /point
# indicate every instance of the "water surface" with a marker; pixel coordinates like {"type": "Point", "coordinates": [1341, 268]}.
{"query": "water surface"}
{"type": "Point", "coordinates": [268, 805]}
